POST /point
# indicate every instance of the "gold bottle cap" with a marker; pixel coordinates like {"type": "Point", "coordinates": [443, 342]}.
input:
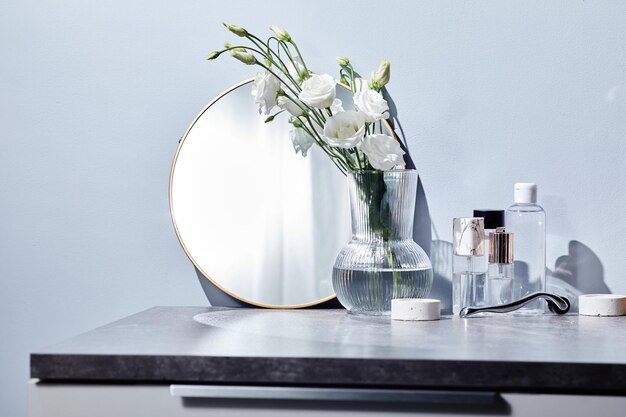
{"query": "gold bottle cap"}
{"type": "Point", "coordinates": [500, 247]}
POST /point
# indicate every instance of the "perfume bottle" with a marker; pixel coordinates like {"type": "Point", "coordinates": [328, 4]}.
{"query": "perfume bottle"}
{"type": "Point", "coordinates": [493, 220]}
{"type": "Point", "coordinates": [499, 286]}
{"type": "Point", "coordinates": [468, 263]}
{"type": "Point", "coordinates": [527, 221]}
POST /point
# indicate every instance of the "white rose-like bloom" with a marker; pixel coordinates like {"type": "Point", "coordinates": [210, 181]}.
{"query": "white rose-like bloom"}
{"type": "Point", "coordinates": [337, 106]}
{"type": "Point", "coordinates": [383, 151]}
{"type": "Point", "coordinates": [264, 89]}
{"type": "Point", "coordinates": [319, 91]}
{"type": "Point", "coordinates": [301, 140]}
{"type": "Point", "coordinates": [344, 129]}
{"type": "Point", "coordinates": [372, 104]}
{"type": "Point", "coordinates": [287, 103]}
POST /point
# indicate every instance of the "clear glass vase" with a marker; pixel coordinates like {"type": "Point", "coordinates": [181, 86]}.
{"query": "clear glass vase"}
{"type": "Point", "coordinates": [382, 261]}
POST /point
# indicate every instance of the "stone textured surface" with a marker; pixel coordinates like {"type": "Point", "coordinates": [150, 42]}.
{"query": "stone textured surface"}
{"type": "Point", "coordinates": [330, 347]}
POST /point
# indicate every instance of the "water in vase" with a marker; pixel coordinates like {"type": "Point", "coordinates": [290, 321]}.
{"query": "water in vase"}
{"type": "Point", "coordinates": [371, 292]}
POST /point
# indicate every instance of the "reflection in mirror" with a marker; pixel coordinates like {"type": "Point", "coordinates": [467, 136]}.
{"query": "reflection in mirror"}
{"type": "Point", "coordinates": [260, 221]}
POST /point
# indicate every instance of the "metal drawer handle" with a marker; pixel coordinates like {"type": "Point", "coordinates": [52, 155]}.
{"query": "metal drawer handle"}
{"type": "Point", "coordinates": [335, 394]}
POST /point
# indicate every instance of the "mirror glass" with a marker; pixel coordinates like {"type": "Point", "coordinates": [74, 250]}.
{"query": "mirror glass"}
{"type": "Point", "coordinates": [258, 220]}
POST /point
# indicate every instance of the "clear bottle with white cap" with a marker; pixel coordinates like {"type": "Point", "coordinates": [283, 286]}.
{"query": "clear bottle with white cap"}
{"type": "Point", "coordinates": [527, 221]}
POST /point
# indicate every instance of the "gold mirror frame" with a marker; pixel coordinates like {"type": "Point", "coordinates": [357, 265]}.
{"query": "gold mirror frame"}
{"type": "Point", "coordinates": [181, 142]}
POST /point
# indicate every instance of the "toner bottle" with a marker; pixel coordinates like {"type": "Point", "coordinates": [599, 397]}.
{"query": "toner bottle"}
{"type": "Point", "coordinates": [527, 221]}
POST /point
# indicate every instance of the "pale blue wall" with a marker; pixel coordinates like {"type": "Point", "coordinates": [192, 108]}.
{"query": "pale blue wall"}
{"type": "Point", "coordinates": [94, 96]}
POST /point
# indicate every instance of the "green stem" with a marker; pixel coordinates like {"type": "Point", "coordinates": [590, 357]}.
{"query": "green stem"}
{"type": "Point", "coordinates": [285, 47]}
{"type": "Point", "coordinates": [352, 81]}
{"type": "Point", "coordinates": [282, 66]}
{"type": "Point", "coordinates": [300, 55]}
{"type": "Point", "coordinates": [358, 157]}
{"type": "Point", "coordinates": [277, 55]}
{"type": "Point", "coordinates": [346, 154]}
{"type": "Point", "coordinates": [280, 79]}
{"type": "Point", "coordinates": [330, 151]}
{"type": "Point", "coordinates": [247, 48]}
{"type": "Point", "coordinates": [397, 275]}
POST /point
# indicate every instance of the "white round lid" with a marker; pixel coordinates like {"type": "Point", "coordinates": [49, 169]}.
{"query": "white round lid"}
{"type": "Point", "coordinates": [417, 309]}
{"type": "Point", "coordinates": [525, 193]}
{"type": "Point", "coordinates": [601, 305]}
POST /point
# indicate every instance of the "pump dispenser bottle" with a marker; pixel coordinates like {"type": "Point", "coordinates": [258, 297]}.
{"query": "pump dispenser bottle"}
{"type": "Point", "coordinates": [527, 221]}
{"type": "Point", "coordinates": [499, 286]}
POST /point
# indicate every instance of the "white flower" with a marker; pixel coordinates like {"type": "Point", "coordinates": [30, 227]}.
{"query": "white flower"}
{"type": "Point", "coordinates": [287, 103]}
{"type": "Point", "coordinates": [301, 140]}
{"type": "Point", "coordinates": [264, 89]}
{"type": "Point", "coordinates": [383, 152]}
{"type": "Point", "coordinates": [372, 104]}
{"type": "Point", "coordinates": [337, 106]}
{"type": "Point", "coordinates": [344, 129]}
{"type": "Point", "coordinates": [319, 91]}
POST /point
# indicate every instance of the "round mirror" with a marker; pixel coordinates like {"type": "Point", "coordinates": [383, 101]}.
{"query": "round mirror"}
{"type": "Point", "coordinates": [262, 223]}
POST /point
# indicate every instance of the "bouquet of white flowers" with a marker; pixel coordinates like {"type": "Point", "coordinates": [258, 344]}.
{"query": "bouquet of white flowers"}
{"type": "Point", "coordinates": [286, 84]}
{"type": "Point", "coordinates": [381, 261]}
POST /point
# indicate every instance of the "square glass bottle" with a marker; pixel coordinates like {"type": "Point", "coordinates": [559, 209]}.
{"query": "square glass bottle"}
{"type": "Point", "coordinates": [468, 263]}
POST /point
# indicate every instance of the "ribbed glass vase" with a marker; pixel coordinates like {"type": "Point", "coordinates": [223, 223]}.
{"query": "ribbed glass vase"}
{"type": "Point", "coordinates": [382, 261]}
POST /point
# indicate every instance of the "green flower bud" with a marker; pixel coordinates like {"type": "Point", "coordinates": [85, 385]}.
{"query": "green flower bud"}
{"type": "Point", "coordinates": [381, 77]}
{"type": "Point", "coordinates": [343, 80]}
{"type": "Point", "coordinates": [281, 34]}
{"type": "Point", "coordinates": [237, 30]}
{"type": "Point", "coordinates": [268, 62]}
{"type": "Point", "coordinates": [343, 61]}
{"type": "Point", "coordinates": [270, 118]}
{"type": "Point", "coordinates": [244, 57]}
{"type": "Point", "coordinates": [213, 55]}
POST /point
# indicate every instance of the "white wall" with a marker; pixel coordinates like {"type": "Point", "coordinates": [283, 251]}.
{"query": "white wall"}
{"type": "Point", "coordinates": [96, 94]}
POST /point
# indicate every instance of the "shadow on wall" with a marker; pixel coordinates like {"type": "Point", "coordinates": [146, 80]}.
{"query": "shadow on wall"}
{"type": "Point", "coordinates": [421, 219]}
{"type": "Point", "coordinates": [440, 252]}
{"type": "Point", "coordinates": [581, 270]}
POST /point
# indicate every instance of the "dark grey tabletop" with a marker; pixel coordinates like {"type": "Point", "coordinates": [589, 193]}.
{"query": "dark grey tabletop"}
{"type": "Point", "coordinates": [330, 347]}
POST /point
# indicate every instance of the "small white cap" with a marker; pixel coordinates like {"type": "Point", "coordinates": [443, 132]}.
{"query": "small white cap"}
{"type": "Point", "coordinates": [415, 309]}
{"type": "Point", "coordinates": [602, 305]}
{"type": "Point", "coordinates": [525, 193]}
